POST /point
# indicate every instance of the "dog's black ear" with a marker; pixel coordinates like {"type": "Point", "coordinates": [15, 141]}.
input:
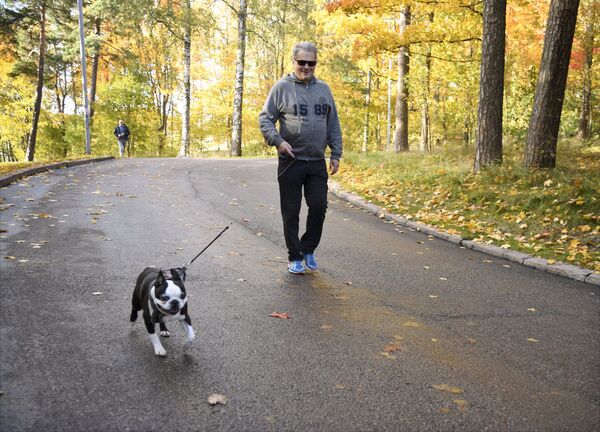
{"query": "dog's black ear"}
{"type": "Point", "coordinates": [178, 274]}
{"type": "Point", "coordinates": [160, 280]}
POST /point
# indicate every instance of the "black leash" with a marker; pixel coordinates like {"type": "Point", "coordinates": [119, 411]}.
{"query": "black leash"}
{"type": "Point", "coordinates": [185, 266]}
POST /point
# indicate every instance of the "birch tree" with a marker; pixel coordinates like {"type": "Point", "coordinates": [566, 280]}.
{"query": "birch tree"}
{"type": "Point", "coordinates": [187, 47]}
{"type": "Point", "coordinates": [401, 134]}
{"type": "Point", "coordinates": [589, 18]}
{"type": "Point", "coordinates": [238, 96]}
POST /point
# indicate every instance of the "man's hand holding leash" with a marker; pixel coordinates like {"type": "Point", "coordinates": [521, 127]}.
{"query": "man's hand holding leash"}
{"type": "Point", "coordinates": [285, 149]}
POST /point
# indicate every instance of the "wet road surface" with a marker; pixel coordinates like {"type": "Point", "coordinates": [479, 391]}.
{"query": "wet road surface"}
{"type": "Point", "coordinates": [397, 331]}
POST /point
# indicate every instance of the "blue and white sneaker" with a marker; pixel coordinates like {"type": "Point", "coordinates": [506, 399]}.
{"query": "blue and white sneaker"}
{"type": "Point", "coordinates": [296, 267]}
{"type": "Point", "coordinates": [310, 262]}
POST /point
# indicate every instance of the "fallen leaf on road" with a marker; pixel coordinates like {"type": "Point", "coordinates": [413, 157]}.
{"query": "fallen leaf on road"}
{"type": "Point", "coordinates": [531, 309]}
{"type": "Point", "coordinates": [411, 324]}
{"type": "Point", "coordinates": [434, 340]}
{"type": "Point", "coordinates": [447, 388]}
{"type": "Point", "coordinates": [23, 260]}
{"type": "Point", "coordinates": [472, 341]}
{"type": "Point", "coordinates": [283, 315]}
{"type": "Point", "coordinates": [444, 410]}
{"type": "Point", "coordinates": [326, 326]}
{"type": "Point", "coordinates": [241, 280]}
{"type": "Point", "coordinates": [462, 404]}
{"type": "Point", "coordinates": [443, 278]}
{"type": "Point", "coordinates": [532, 340]}
{"type": "Point", "coordinates": [393, 347]}
{"type": "Point", "coordinates": [426, 267]}
{"type": "Point", "coordinates": [97, 293]}
{"type": "Point", "coordinates": [340, 386]}
{"type": "Point", "coordinates": [388, 355]}
{"type": "Point", "coordinates": [9, 257]}
{"type": "Point", "coordinates": [348, 283]}
{"type": "Point", "coordinates": [216, 398]}
{"type": "Point", "coordinates": [432, 296]}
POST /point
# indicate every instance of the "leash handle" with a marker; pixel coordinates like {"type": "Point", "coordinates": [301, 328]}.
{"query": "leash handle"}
{"type": "Point", "coordinates": [207, 246]}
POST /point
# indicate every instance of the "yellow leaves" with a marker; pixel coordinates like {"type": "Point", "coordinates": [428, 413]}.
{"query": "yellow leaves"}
{"type": "Point", "coordinates": [447, 388]}
{"type": "Point", "coordinates": [579, 201]}
{"type": "Point", "coordinates": [461, 404]}
{"type": "Point", "coordinates": [411, 323]}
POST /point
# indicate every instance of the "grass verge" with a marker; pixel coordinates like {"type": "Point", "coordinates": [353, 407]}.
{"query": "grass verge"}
{"type": "Point", "coordinates": [553, 214]}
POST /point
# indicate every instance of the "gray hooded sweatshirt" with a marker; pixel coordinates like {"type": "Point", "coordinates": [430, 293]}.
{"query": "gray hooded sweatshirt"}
{"type": "Point", "coordinates": [307, 116]}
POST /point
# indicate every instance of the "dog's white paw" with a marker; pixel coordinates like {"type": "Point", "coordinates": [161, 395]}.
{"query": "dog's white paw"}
{"type": "Point", "coordinates": [158, 348]}
{"type": "Point", "coordinates": [191, 337]}
{"type": "Point", "coordinates": [165, 333]}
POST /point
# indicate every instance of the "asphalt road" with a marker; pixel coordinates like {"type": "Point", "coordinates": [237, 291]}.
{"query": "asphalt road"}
{"type": "Point", "coordinates": [396, 332]}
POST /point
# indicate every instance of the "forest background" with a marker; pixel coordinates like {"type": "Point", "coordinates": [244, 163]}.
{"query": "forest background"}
{"type": "Point", "coordinates": [373, 54]}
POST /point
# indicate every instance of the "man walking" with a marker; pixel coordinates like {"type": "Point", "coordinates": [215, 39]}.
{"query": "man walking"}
{"type": "Point", "coordinates": [308, 123]}
{"type": "Point", "coordinates": [122, 134]}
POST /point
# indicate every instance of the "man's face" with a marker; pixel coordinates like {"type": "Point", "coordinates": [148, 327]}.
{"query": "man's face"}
{"type": "Point", "coordinates": [305, 72]}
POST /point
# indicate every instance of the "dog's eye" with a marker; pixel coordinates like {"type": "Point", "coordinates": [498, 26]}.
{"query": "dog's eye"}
{"type": "Point", "coordinates": [182, 296]}
{"type": "Point", "coordinates": [164, 298]}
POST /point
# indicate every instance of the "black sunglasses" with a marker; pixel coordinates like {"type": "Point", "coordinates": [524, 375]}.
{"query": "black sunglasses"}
{"type": "Point", "coordinates": [311, 63]}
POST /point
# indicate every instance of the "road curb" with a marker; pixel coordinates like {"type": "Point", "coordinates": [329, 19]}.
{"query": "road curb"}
{"type": "Point", "coordinates": [26, 172]}
{"type": "Point", "coordinates": [559, 268]}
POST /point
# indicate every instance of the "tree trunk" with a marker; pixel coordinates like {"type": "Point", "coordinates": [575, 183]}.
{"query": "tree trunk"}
{"type": "Point", "coordinates": [95, 65]}
{"type": "Point", "coordinates": [238, 96]}
{"type": "Point", "coordinates": [401, 134]}
{"type": "Point", "coordinates": [424, 144]}
{"type": "Point", "coordinates": [86, 116]}
{"type": "Point", "coordinates": [187, 46]}
{"type": "Point", "coordinates": [491, 85]}
{"type": "Point", "coordinates": [365, 146]}
{"type": "Point", "coordinates": [540, 150]}
{"type": "Point", "coordinates": [30, 153]}
{"type": "Point", "coordinates": [588, 51]}
{"type": "Point", "coordinates": [388, 134]}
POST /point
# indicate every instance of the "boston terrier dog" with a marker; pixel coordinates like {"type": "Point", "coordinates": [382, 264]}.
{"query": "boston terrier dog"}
{"type": "Point", "coordinates": [161, 295]}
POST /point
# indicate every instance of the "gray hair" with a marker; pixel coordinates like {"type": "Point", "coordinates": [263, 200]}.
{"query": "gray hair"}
{"type": "Point", "coordinates": [304, 46]}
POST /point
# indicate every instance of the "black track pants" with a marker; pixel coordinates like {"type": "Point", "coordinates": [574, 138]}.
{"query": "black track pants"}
{"type": "Point", "coordinates": [293, 176]}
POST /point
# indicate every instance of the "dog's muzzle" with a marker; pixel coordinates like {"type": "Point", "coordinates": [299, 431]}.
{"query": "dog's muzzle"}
{"type": "Point", "coordinates": [170, 308]}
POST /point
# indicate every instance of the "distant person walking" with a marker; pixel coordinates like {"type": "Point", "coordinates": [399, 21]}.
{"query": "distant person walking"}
{"type": "Point", "coordinates": [308, 123]}
{"type": "Point", "coordinates": [122, 134]}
